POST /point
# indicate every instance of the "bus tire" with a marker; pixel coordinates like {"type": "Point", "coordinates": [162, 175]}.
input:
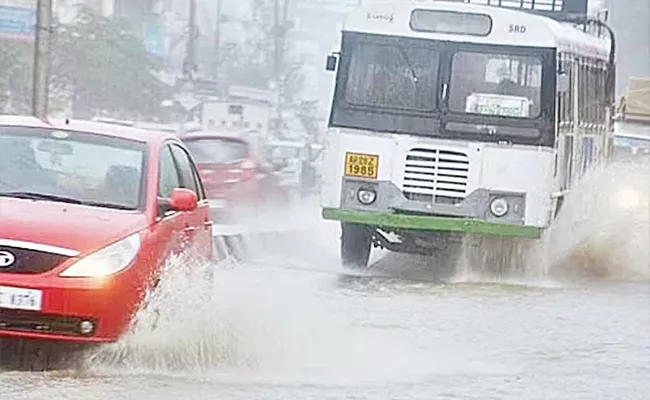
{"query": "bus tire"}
{"type": "Point", "coordinates": [356, 243]}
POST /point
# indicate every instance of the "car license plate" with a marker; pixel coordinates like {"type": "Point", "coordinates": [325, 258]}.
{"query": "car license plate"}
{"type": "Point", "coordinates": [20, 299]}
{"type": "Point", "coordinates": [361, 165]}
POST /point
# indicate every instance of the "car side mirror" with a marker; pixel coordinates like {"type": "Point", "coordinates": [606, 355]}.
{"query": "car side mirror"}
{"type": "Point", "coordinates": [183, 200]}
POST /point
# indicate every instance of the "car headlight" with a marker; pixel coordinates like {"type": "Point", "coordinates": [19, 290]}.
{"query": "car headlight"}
{"type": "Point", "coordinates": [366, 196]}
{"type": "Point", "coordinates": [499, 207]}
{"type": "Point", "coordinates": [107, 261]}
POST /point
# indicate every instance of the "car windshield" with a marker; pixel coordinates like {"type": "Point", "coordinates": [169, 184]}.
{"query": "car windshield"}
{"type": "Point", "coordinates": [217, 151]}
{"type": "Point", "coordinates": [74, 167]}
{"type": "Point", "coordinates": [493, 84]}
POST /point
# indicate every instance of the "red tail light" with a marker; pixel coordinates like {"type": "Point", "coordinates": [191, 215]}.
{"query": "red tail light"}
{"type": "Point", "coordinates": [244, 171]}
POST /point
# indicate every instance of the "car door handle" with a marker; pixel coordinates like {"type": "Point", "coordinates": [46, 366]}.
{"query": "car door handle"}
{"type": "Point", "coordinates": [208, 223]}
{"type": "Point", "coordinates": [190, 229]}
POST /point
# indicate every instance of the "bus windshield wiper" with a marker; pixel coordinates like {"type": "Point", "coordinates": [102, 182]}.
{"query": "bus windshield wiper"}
{"type": "Point", "coordinates": [41, 196]}
{"type": "Point", "coordinates": [408, 62]}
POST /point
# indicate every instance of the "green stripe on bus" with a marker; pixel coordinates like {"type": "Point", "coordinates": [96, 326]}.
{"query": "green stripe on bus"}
{"type": "Point", "coordinates": [430, 223]}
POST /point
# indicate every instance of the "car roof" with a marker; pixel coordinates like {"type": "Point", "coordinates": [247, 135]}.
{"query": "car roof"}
{"type": "Point", "coordinates": [99, 128]}
{"type": "Point", "coordinates": [213, 135]}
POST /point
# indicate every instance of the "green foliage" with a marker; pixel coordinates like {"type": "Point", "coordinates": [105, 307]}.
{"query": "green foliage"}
{"type": "Point", "coordinates": [99, 63]}
{"type": "Point", "coordinates": [107, 67]}
{"type": "Point", "coordinates": [15, 76]}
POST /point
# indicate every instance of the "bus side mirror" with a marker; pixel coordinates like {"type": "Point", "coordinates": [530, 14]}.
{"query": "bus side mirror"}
{"type": "Point", "coordinates": [331, 62]}
{"type": "Point", "coordinates": [563, 84]}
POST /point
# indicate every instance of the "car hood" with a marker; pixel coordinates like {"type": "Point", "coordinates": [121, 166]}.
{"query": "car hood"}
{"type": "Point", "coordinates": [69, 226]}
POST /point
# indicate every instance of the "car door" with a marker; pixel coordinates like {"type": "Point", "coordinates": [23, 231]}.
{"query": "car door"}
{"type": "Point", "coordinates": [169, 230]}
{"type": "Point", "coordinates": [198, 223]}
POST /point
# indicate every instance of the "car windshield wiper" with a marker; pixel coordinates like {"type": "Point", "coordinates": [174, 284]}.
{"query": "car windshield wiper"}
{"type": "Point", "coordinates": [62, 199]}
{"type": "Point", "coordinates": [108, 205]}
{"type": "Point", "coordinates": [41, 196]}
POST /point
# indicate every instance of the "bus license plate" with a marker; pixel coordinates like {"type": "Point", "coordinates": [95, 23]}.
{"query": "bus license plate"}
{"type": "Point", "coordinates": [361, 165]}
{"type": "Point", "coordinates": [20, 299]}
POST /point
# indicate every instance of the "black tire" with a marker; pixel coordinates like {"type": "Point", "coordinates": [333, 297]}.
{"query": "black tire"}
{"type": "Point", "coordinates": [356, 243]}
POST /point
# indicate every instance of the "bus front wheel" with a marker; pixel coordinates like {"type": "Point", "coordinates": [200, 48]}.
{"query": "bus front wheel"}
{"type": "Point", "coordinates": [356, 243]}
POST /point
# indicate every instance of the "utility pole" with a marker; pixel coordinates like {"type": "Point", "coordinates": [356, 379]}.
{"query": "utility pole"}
{"type": "Point", "coordinates": [41, 76]}
{"type": "Point", "coordinates": [216, 62]}
{"type": "Point", "coordinates": [280, 30]}
{"type": "Point", "coordinates": [190, 67]}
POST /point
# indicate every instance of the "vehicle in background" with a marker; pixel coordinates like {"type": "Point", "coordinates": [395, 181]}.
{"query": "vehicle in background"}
{"type": "Point", "coordinates": [632, 126]}
{"type": "Point", "coordinates": [458, 120]}
{"type": "Point", "coordinates": [295, 155]}
{"type": "Point", "coordinates": [90, 215]}
{"type": "Point", "coordinates": [244, 113]}
{"type": "Point", "coordinates": [236, 177]}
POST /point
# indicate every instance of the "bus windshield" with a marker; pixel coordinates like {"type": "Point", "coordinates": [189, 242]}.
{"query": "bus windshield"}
{"type": "Point", "coordinates": [392, 76]}
{"type": "Point", "coordinates": [463, 91]}
{"type": "Point", "coordinates": [495, 84]}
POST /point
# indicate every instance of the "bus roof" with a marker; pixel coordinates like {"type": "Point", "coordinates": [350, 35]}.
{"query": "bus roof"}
{"type": "Point", "coordinates": [393, 18]}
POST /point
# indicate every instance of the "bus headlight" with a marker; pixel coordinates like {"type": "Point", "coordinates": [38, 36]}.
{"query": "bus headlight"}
{"type": "Point", "coordinates": [499, 207]}
{"type": "Point", "coordinates": [366, 196]}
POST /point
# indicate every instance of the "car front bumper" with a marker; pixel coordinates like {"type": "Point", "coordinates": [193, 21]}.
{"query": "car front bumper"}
{"type": "Point", "coordinates": [68, 304]}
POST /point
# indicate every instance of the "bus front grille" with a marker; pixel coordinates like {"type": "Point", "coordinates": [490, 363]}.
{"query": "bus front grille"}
{"type": "Point", "coordinates": [435, 175]}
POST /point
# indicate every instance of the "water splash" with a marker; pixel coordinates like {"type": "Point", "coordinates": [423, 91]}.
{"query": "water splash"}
{"type": "Point", "coordinates": [203, 316]}
{"type": "Point", "coordinates": [603, 230]}
{"type": "Point", "coordinates": [177, 329]}
{"type": "Point", "coordinates": [501, 260]}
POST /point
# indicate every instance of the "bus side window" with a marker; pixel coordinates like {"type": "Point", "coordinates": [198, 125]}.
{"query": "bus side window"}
{"type": "Point", "coordinates": [602, 95]}
{"type": "Point", "coordinates": [562, 96]}
{"type": "Point", "coordinates": [570, 104]}
{"type": "Point", "coordinates": [582, 96]}
{"type": "Point", "coordinates": [568, 161]}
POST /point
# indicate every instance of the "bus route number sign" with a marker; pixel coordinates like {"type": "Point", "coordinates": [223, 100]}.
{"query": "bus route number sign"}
{"type": "Point", "coordinates": [361, 165]}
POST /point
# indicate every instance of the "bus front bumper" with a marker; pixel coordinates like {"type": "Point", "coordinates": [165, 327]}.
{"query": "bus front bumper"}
{"type": "Point", "coordinates": [387, 219]}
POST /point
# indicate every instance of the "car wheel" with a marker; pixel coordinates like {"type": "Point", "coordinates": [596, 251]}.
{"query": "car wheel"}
{"type": "Point", "coordinates": [356, 243]}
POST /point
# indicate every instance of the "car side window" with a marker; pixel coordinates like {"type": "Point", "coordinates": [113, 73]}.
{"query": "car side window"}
{"type": "Point", "coordinates": [169, 179]}
{"type": "Point", "coordinates": [186, 170]}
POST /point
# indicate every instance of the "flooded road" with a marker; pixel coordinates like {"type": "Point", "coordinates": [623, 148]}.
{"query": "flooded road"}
{"type": "Point", "coordinates": [280, 332]}
{"type": "Point", "coordinates": [291, 324]}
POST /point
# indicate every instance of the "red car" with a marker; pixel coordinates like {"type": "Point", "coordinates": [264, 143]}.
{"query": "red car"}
{"type": "Point", "coordinates": [235, 177]}
{"type": "Point", "coordinates": [89, 214]}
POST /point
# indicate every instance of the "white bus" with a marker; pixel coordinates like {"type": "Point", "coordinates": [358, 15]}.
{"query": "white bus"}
{"type": "Point", "coordinates": [456, 119]}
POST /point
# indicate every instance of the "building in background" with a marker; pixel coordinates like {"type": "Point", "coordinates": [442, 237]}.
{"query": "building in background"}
{"type": "Point", "coordinates": [630, 20]}
{"type": "Point", "coordinates": [17, 20]}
